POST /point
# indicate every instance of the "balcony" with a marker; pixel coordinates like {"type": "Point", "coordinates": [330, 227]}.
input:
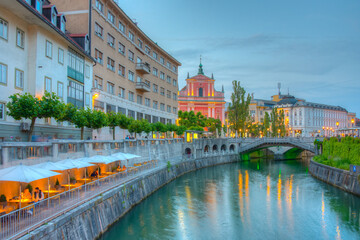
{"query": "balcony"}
{"type": "Point", "coordinates": [72, 73]}
{"type": "Point", "coordinates": [143, 87]}
{"type": "Point", "coordinates": [143, 68]}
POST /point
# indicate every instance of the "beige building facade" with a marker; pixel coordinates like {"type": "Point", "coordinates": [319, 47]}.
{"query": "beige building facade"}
{"type": "Point", "coordinates": [132, 75]}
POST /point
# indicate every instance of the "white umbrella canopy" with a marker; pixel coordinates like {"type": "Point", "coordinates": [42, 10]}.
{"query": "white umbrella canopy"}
{"type": "Point", "coordinates": [51, 166]}
{"type": "Point", "coordinates": [125, 156]}
{"type": "Point", "coordinates": [71, 163]}
{"type": "Point", "coordinates": [25, 174]}
{"type": "Point", "coordinates": [97, 159]}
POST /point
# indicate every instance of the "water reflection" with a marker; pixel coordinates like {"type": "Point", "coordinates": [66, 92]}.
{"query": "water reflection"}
{"type": "Point", "coordinates": [252, 200]}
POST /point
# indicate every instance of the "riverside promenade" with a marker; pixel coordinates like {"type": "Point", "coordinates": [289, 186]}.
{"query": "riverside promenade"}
{"type": "Point", "coordinates": [166, 159]}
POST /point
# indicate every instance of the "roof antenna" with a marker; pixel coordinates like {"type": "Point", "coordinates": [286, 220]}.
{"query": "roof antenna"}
{"type": "Point", "coordinates": [279, 87]}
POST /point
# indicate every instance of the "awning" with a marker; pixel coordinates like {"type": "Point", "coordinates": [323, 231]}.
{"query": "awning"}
{"type": "Point", "coordinates": [51, 166]}
{"type": "Point", "coordinates": [77, 163]}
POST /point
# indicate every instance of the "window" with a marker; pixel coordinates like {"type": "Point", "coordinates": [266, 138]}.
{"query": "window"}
{"type": "Point", "coordinates": [110, 87]}
{"type": "Point", "coordinates": [138, 79]}
{"type": "Point", "coordinates": [168, 108]}
{"type": "Point", "coordinates": [131, 76]}
{"type": "Point", "coordinates": [87, 71]}
{"type": "Point", "coordinates": [61, 56]}
{"type": "Point", "coordinates": [162, 91]}
{"type": "Point", "coordinates": [147, 49]}
{"type": "Point", "coordinates": [76, 94]}
{"type": "Point", "coordinates": [174, 82]}
{"type": "Point", "coordinates": [131, 36]}
{"type": "Point", "coordinates": [174, 110]}
{"type": "Point", "coordinates": [147, 102]}
{"type": "Point", "coordinates": [155, 72]}
{"type": "Point", "coordinates": [48, 49]}
{"type": "Point", "coordinates": [174, 68]}
{"type": "Point", "coordinates": [76, 62]}
{"type": "Point", "coordinates": [38, 5]}
{"type": "Point", "coordinates": [3, 29]}
{"type": "Point", "coordinates": [47, 84]}
{"type": "Point", "coordinates": [168, 79]}
{"type": "Point", "coordinates": [99, 56]}
{"type": "Point", "coordinates": [87, 99]}
{"type": "Point", "coordinates": [162, 106]}
{"type": "Point", "coordinates": [99, 31]}
{"type": "Point", "coordinates": [99, 6]}
{"type": "Point", "coordinates": [140, 43]}
{"type": "Point", "coordinates": [168, 94]}
{"type": "Point", "coordinates": [155, 88]}
{"type": "Point", "coordinates": [53, 16]}
{"type": "Point", "coordinates": [200, 92]}
{"type": "Point", "coordinates": [131, 96]}
{"type": "Point", "coordinates": [131, 56]}
{"type": "Point", "coordinates": [111, 41]}
{"type": "Point", "coordinates": [3, 74]}
{"type": "Point", "coordinates": [168, 65]}
{"type": "Point", "coordinates": [131, 114]}
{"type": "Point", "coordinates": [121, 70]}
{"type": "Point", "coordinates": [121, 27]}
{"type": "Point", "coordinates": [19, 79]}
{"type": "Point", "coordinates": [2, 111]}
{"type": "Point", "coordinates": [111, 17]}
{"type": "Point", "coordinates": [162, 75]}
{"type": "Point", "coordinates": [162, 61]}
{"type": "Point", "coordinates": [60, 89]}
{"type": "Point", "coordinates": [98, 83]}
{"type": "Point", "coordinates": [155, 56]}
{"type": "Point", "coordinates": [20, 38]}
{"type": "Point", "coordinates": [138, 60]}
{"type": "Point", "coordinates": [121, 92]}
{"type": "Point", "coordinates": [121, 48]}
{"type": "Point", "coordinates": [139, 99]}
{"type": "Point", "coordinates": [155, 105]}
{"type": "Point", "coordinates": [111, 64]}
{"type": "Point", "coordinates": [174, 96]}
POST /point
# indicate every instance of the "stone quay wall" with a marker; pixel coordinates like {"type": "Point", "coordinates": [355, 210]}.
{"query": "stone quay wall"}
{"type": "Point", "coordinates": [345, 180]}
{"type": "Point", "coordinates": [93, 218]}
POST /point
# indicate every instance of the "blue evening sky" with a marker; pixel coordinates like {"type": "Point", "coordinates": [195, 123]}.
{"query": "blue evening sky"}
{"type": "Point", "coordinates": [311, 46]}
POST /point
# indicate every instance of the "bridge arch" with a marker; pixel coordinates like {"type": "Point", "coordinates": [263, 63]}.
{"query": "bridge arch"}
{"type": "Point", "coordinates": [206, 148]}
{"type": "Point", "coordinates": [232, 148]}
{"type": "Point", "coordinates": [188, 151]}
{"type": "Point", "coordinates": [215, 147]}
{"type": "Point", "coordinates": [223, 148]}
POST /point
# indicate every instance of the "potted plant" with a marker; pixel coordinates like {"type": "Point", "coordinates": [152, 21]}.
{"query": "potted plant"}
{"type": "Point", "coordinates": [57, 184]}
{"type": "Point", "coordinates": [3, 201]}
{"type": "Point", "coordinates": [72, 180]}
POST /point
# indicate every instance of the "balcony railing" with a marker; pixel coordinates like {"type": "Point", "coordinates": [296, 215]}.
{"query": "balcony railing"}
{"type": "Point", "coordinates": [143, 86]}
{"type": "Point", "coordinates": [143, 68]}
{"type": "Point", "coordinates": [75, 74]}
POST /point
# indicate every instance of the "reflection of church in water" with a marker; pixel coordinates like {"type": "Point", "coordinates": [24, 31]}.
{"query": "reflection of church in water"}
{"type": "Point", "coordinates": [199, 95]}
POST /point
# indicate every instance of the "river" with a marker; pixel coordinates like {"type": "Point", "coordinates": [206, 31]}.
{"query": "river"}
{"type": "Point", "coordinates": [260, 199]}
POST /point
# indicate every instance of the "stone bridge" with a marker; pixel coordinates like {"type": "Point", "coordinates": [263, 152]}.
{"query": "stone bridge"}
{"type": "Point", "coordinates": [223, 146]}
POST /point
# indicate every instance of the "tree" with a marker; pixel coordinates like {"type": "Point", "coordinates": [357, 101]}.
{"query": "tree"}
{"type": "Point", "coordinates": [136, 126]}
{"type": "Point", "coordinates": [266, 124]}
{"type": "Point", "coordinates": [113, 121]}
{"type": "Point", "coordinates": [26, 106]}
{"type": "Point", "coordinates": [171, 128]}
{"type": "Point", "coordinates": [213, 125]}
{"type": "Point", "coordinates": [180, 130]}
{"type": "Point", "coordinates": [239, 108]}
{"type": "Point", "coordinates": [95, 119]}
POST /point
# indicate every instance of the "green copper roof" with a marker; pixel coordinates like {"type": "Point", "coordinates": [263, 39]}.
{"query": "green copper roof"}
{"type": "Point", "coordinates": [201, 71]}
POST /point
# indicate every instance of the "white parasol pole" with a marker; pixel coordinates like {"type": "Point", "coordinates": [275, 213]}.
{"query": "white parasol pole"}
{"type": "Point", "coordinates": [69, 180]}
{"type": "Point", "coordinates": [20, 198]}
{"type": "Point", "coordinates": [85, 180]}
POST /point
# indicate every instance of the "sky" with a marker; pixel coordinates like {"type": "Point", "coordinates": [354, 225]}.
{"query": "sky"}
{"type": "Point", "coordinates": [311, 47]}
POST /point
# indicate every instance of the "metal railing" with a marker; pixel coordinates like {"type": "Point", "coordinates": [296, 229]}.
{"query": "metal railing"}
{"type": "Point", "coordinates": [22, 221]}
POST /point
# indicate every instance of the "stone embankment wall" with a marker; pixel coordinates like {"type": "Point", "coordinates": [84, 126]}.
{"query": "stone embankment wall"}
{"type": "Point", "coordinates": [337, 177]}
{"type": "Point", "coordinates": [93, 218]}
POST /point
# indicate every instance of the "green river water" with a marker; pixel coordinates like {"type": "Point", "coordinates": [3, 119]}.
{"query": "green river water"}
{"type": "Point", "coordinates": [258, 199]}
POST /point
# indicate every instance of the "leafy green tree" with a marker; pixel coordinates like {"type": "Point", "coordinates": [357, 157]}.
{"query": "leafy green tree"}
{"type": "Point", "coordinates": [95, 119]}
{"type": "Point", "coordinates": [239, 108]}
{"type": "Point", "coordinates": [213, 125]}
{"type": "Point", "coordinates": [147, 127]}
{"type": "Point", "coordinates": [136, 126]}
{"type": "Point", "coordinates": [171, 128]}
{"type": "Point", "coordinates": [26, 106]}
{"type": "Point", "coordinates": [79, 119]}
{"type": "Point", "coordinates": [180, 130]}
{"type": "Point", "coordinates": [113, 121]}
{"type": "Point", "coordinates": [266, 124]}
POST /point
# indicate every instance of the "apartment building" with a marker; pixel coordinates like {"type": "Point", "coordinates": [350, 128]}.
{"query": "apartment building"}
{"type": "Point", "coordinates": [132, 75]}
{"type": "Point", "coordinates": [38, 54]}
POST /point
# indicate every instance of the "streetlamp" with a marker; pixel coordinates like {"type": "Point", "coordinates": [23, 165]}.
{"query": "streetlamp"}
{"type": "Point", "coordinates": [279, 132]}
{"type": "Point", "coordinates": [337, 127]}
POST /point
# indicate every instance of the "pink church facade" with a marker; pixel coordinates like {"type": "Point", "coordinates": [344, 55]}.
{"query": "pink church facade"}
{"type": "Point", "coordinates": [200, 95]}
